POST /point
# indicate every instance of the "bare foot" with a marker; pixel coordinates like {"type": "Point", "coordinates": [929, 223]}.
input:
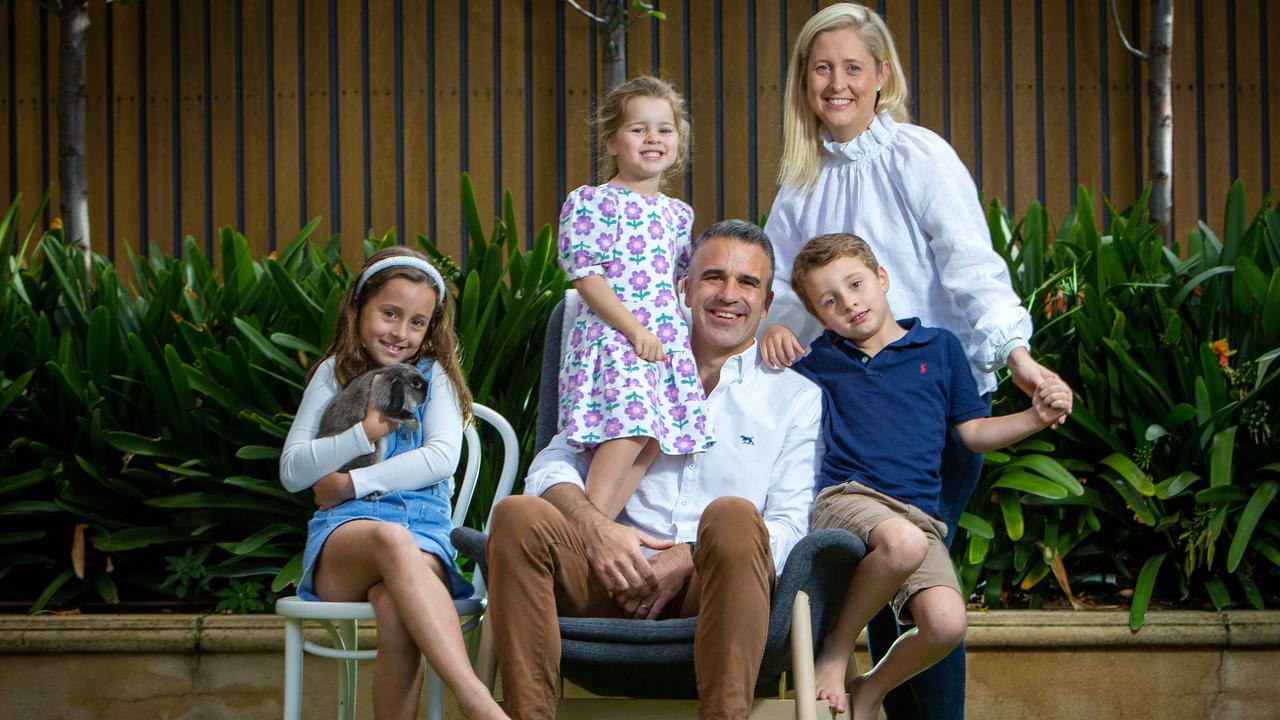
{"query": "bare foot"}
{"type": "Point", "coordinates": [865, 705]}
{"type": "Point", "coordinates": [829, 677]}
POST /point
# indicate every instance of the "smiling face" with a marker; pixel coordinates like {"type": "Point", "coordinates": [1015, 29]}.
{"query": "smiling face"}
{"type": "Point", "coordinates": [841, 78]}
{"type": "Point", "coordinates": [646, 143]}
{"type": "Point", "coordinates": [726, 289]}
{"type": "Point", "coordinates": [849, 298]}
{"type": "Point", "coordinates": [394, 320]}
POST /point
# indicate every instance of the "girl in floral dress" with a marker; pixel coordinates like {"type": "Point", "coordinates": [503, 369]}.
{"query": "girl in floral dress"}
{"type": "Point", "coordinates": [628, 384]}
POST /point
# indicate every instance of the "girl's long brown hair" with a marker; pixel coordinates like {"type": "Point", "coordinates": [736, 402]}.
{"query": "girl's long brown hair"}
{"type": "Point", "coordinates": [440, 343]}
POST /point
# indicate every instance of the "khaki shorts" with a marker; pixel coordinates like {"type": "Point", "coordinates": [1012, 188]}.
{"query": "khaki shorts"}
{"type": "Point", "coordinates": [859, 509]}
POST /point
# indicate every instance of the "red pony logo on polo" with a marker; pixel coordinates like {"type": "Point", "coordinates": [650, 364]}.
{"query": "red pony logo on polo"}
{"type": "Point", "coordinates": [921, 368]}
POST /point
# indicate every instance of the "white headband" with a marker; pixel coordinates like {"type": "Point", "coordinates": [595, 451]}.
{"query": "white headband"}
{"type": "Point", "coordinates": [403, 261]}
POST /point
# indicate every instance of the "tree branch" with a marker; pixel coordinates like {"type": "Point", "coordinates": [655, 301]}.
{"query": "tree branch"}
{"type": "Point", "coordinates": [1119, 30]}
{"type": "Point", "coordinates": [586, 12]}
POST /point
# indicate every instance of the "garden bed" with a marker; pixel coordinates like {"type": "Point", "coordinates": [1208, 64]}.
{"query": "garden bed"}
{"type": "Point", "coordinates": [1047, 664]}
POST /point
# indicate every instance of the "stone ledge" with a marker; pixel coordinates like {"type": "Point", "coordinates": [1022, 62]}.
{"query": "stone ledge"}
{"type": "Point", "coordinates": [996, 629]}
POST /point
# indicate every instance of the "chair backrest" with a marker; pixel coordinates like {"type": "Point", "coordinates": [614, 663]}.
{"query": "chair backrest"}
{"type": "Point", "coordinates": [470, 476]}
{"type": "Point", "coordinates": [553, 348]}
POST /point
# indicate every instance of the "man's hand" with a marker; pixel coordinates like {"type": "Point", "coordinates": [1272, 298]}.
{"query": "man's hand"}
{"type": "Point", "coordinates": [672, 568]}
{"type": "Point", "coordinates": [613, 551]}
{"type": "Point", "coordinates": [333, 489]}
{"type": "Point", "coordinates": [779, 347]}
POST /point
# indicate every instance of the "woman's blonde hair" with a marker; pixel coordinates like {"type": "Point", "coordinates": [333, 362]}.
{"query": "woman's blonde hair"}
{"type": "Point", "coordinates": [612, 113]}
{"type": "Point", "coordinates": [800, 127]}
{"type": "Point", "coordinates": [351, 359]}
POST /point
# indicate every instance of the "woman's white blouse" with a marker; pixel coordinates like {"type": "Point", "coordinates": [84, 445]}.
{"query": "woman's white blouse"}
{"type": "Point", "coordinates": [306, 458]}
{"type": "Point", "coordinates": [903, 189]}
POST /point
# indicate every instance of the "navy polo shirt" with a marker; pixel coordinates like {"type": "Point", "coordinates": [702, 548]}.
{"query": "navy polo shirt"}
{"type": "Point", "coordinates": [885, 418]}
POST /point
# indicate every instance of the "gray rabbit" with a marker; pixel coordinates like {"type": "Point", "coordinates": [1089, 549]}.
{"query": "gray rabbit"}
{"type": "Point", "coordinates": [398, 393]}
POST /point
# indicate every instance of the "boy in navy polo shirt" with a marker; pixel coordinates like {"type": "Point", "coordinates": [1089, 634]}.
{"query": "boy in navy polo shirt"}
{"type": "Point", "coordinates": [890, 391]}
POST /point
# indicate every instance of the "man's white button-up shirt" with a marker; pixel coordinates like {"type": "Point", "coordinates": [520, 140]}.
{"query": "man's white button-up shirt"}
{"type": "Point", "coordinates": [767, 426]}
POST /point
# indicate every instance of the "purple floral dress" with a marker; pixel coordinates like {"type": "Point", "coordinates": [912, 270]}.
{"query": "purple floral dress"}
{"type": "Point", "coordinates": [640, 245]}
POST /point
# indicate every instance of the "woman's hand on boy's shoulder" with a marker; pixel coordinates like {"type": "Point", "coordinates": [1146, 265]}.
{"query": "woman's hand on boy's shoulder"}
{"type": "Point", "coordinates": [779, 347]}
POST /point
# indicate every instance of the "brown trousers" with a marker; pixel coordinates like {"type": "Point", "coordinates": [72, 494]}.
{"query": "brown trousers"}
{"type": "Point", "coordinates": [539, 570]}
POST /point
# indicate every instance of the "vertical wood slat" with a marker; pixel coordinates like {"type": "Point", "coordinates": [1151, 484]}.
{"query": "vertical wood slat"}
{"type": "Point", "coordinates": [510, 79]}
{"type": "Point", "coordinates": [510, 134]}
{"type": "Point", "coordinates": [416, 141]}
{"type": "Point", "coordinates": [97, 107]}
{"type": "Point", "coordinates": [8, 100]}
{"type": "Point", "coordinates": [255, 135]}
{"type": "Point", "coordinates": [994, 180]}
{"type": "Point", "coordinates": [735, 75]}
{"type": "Point", "coordinates": [1121, 104]}
{"type": "Point", "coordinates": [1217, 162]}
{"type": "Point", "coordinates": [222, 103]}
{"type": "Point", "coordinates": [350, 137]}
{"type": "Point", "coordinates": [770, 81]}
{"type": "Point", "coordinates": [1185, 184]}
{"type": "Point", "coordinates": [382, 118]}
{"type": "Point", "coordinates": [125, 104]}
{"type": "Point", "coordinates": [158, 109]}
{"type": "Point", "coordinates": [26, 98]}
{"type": "Point", "coordinates": [448, 129]}
{"type": "Point", "coordinates": [316, 53]}
{"type": "Point", "coordinates": [284, 131]}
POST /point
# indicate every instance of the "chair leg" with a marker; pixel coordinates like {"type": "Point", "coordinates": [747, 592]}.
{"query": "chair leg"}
{"type": "Point", "coordinates": [292, 668]}
{"type": "Point", "coordinates": [347, 671]}
{"type": "Point", "coordinates": [435, 694]}
{"type": "Point", "coordinates": [486, 656]}
{"type": "Point", "coordinates": [802, 657]}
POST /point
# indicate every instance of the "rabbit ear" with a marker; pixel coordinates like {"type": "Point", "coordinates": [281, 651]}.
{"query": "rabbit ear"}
{"type": "Point", "coordinates": [395, 401]}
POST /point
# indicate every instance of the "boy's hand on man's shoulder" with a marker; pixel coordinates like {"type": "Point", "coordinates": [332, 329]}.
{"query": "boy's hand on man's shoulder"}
{"type": "Point", "coordinates": [779, 347]}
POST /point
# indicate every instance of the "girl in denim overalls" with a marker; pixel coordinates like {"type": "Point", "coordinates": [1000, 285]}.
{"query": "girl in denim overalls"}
{"type": "Point", "coordinates": [382, 532]}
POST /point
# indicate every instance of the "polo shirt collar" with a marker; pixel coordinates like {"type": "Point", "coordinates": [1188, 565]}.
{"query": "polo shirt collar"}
{"type": "Point", "coordinates": [917, 334]}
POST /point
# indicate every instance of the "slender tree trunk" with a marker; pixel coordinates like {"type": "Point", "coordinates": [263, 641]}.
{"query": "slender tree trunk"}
{"type": "Point", "coordinates": [615, 45]}
{"type": "Point", "coordinates": [1160, 110]}
{"type": "Point", "coordinates": [71, 96]}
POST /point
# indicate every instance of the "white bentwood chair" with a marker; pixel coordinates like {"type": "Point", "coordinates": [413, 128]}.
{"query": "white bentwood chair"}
{"type": "Point", "coordinates": [340, 619]}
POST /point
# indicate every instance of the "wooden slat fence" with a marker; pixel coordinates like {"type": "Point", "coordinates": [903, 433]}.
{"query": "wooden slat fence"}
{"type": "Point", "coordinates": [264, 113]}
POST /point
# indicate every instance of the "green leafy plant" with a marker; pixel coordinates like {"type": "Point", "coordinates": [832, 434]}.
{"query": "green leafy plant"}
{"type": "Point", "coordinates": [1168, 453]}
{"type": "Point", "coordinates": [152, 406]}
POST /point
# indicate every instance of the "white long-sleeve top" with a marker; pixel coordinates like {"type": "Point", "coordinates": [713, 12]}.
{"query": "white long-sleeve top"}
{"type": "Point", "coordinates": [903, 189]}
{"type": "Point", "coordinates": [306, 458]}
{"type": "Point", "coordinates": [768, 445]}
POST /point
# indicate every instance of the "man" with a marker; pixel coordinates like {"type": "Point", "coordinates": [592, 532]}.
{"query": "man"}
{"type": "Point", "coordinates": [703, 534]}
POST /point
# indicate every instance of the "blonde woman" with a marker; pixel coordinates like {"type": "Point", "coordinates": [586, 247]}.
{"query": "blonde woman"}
{"type": "Point", "coordinates": [852, 163]}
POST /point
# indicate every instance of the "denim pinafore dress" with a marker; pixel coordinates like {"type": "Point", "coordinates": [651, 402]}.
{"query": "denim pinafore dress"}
{"type": "Point", "coordinates": [424, 512]}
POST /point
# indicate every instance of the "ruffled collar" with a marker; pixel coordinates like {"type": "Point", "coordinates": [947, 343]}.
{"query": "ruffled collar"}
{"type": "Point", "coordinates": [867, 144]}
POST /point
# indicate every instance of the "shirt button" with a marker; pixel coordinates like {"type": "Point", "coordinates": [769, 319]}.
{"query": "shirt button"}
{"type": "Point", "coordinates": [684, 502]}
{"type": "Point", "coordinates": [865, 359]}
{"type": "Point", "coordinates": [690, 465]}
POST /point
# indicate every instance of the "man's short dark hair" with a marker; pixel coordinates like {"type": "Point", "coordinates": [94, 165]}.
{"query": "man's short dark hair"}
{"type": "Point", "coordinates": [742, 231]}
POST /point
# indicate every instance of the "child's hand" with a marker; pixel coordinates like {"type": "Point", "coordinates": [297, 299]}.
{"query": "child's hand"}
{"type": "Point", "coordinates": [333, 489]}
{"type": "Point", "coordinates": [1052, 401]}
{"type": "Point", "coordinates": [648, 346]}
{"type": "Point", "coordinates": [779, 347]}
{"type": "Point", "coordinates": [376, 424]}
